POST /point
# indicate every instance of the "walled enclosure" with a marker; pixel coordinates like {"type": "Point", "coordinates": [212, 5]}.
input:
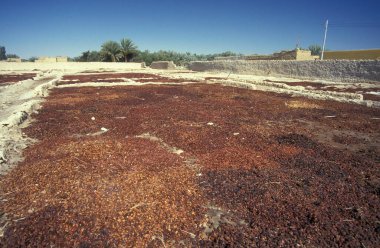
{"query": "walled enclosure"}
{"type": "Point", "coordinates": [334, 70]}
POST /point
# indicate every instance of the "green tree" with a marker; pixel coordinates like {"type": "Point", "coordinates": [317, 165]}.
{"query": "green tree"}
{"type": "Point", "coordinates": [89, 56]}
{"type": "Point", "coordinates": [176, 57]}
{"type": "Point", "coordinates": [111, 51]}
{"type": "Point", "coordinates": [84, 56]}
{"type": "Point", "coordinates": [94, 56]}
{"type": "Point", "coordinates": [3, 55]}
{"type": "Point", "coordinates": [315, 49]}
{"type": "Point", "coordinates": [32, 59]}
{"type": "Point", "coordinates": [13, 56]}
{"type": "Point", "coordinates": [128, 49]}
{"type": "Point", "coordinates": [144, 56]}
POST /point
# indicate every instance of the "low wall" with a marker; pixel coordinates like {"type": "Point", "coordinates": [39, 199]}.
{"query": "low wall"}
{"type": "Point", "coordinates": [18, 60]}
{"type": "Point", "coordinates": [297, 54]}
{"type": "Point", "coordinates": [51, 59]}
{"type": "Point", "coordinates": [46, 60]}
{"type": "Point", "coordinates": [164, 65]}
{"type": "Point", "coordinates": [334, 70]}
{"type": "Point", "coordinates": [5, 66]}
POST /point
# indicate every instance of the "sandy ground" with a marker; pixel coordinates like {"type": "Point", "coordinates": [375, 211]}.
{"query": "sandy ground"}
{"type": "Point", "coordinates": [193, 149]}
{"type": "Point", "coordinates": [18, 101]}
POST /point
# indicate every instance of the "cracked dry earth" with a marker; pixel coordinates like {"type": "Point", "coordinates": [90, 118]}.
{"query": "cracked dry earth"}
{"type": "Point", "coordinates": [194, 165]}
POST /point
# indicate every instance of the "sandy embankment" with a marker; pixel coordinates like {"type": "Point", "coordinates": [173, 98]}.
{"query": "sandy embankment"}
{"type": "Point", "coordinates": [18, 101]}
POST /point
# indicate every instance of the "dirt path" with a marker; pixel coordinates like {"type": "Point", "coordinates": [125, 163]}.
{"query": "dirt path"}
{"type": "Point", "coordinates": [18, 101]}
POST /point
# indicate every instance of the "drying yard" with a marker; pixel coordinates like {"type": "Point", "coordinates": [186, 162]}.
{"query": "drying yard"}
{"type": "Point", "coordinates": [177, 158]}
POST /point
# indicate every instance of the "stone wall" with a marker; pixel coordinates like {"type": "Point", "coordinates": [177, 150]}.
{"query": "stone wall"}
{"type": "Point", "coordinates": [51, 59]}
{"type": "Point", "coordinates": [163, 65]}
{"type": "Point", "coordinates": [46, 60]}
{"type": "Point", "coordinates": [305, 55]}
{"type": "Point", "coordinates": [62, 59]}
{"type": "Point", "coordinates": [333, 70]}
{"type": "Point", "coordinates": [297, 54]}
{"type": "Point", "coordinates": [18, 60]}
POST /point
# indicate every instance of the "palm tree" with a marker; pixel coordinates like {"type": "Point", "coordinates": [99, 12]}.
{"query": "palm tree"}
{"type": "Point", "coordinates": [128, 49]}
{"type": "Point", "coordinates": [111, 50]}
{"type": "Point", "coordinates": [315, 49]}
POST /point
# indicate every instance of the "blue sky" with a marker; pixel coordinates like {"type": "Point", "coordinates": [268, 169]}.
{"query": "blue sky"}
{"type": "Point", "coordinates": [68, 27]}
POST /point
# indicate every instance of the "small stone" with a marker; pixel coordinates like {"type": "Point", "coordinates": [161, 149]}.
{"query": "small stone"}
{"type": "Point", "coordinates": [2, 157]}
{"type": "Point", "coordinates": [93, 118]}
{"type": "Point", "coordinates": [210, 123]}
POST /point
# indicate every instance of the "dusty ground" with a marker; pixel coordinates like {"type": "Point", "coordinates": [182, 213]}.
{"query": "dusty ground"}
{"type": "Point", "coordinates": [20, 95]}
{"type": "Point", "coordinates": [193, 164]}
{"type": "Point", "coordinates": [367, 92]}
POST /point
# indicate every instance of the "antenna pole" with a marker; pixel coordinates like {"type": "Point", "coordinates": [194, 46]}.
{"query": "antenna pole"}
{"type": "Point", "coordinates": [324, 40]}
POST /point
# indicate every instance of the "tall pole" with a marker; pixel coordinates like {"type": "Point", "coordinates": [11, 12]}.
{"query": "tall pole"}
{"type": "Point", "coordinates": [324, 40]}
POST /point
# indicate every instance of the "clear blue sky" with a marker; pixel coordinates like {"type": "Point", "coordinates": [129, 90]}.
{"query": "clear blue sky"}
{"type": "Point", "coordinates": [68, 27]}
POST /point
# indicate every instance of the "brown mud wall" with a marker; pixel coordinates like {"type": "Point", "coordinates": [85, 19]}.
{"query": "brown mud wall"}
{"type": "Point", "coordinates": [334, 70]}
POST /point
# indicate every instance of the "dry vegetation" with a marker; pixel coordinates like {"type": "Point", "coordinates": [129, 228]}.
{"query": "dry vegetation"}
{"type": "Point", "coordinates": [194, 165]}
